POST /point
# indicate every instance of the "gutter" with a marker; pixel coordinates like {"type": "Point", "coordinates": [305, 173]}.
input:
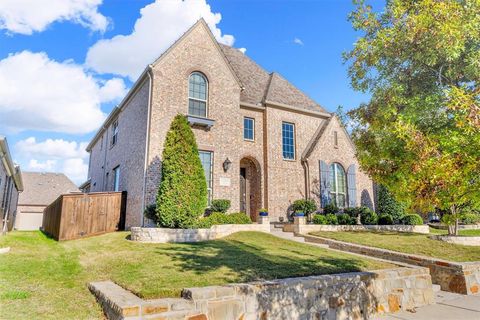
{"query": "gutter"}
{"type": "Point", "coordinates": [320, 114]}
{"type": "Point", "coordinates": [147, 142]}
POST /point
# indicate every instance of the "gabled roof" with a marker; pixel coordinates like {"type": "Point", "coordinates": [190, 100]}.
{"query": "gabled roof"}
{"type": "Point", "coordinates": [42, 188]}
{"type": "Point", "coordinates": [261, 86]}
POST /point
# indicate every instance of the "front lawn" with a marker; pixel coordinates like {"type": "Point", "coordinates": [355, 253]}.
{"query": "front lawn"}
{"type": "Point", "coordinates": [413, 243]}
{"type": "Point", "coordinates": [465, 233]}
{"type": "Point", "coordinates": [41, 278]}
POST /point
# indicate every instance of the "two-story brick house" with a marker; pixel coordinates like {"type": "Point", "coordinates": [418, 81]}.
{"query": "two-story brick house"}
{"type": "Point", "coordinates": [262, 142]}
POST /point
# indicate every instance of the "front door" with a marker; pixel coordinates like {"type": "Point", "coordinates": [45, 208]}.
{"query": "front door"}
{"type": "Point", "coordinates": [243, 190]}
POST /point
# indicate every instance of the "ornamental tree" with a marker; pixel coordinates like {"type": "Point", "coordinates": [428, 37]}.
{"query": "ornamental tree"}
{"type": "Point", "coordinates": [182, 195]}
{"type": "Point", "coordinates": [419, 135]}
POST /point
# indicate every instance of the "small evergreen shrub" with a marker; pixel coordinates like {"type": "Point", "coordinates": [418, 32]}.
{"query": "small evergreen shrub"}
{"type": "Point", "coordinates": [385, 219]}
{"type": "Point", "coordinates": [367, 216]}
{"type": "Point", "coordinates": [331, 219]}
{"type": "Point", "coordinates": [345, 219]}
{"type": "Point", "coordinates": [220, 205]}
{"type": "Point", "coordinates": [352, 212]}
{"type": "Point", "coordinates": [319, 219]}
{"type": "Point", "coordinates": [330, 209]}
{"type": "Point", "coordinates": [151, 212]}
{"type": "Point", "coordinates": [470, 218]}
{"type": "Point", "coordinates": [222, 218]}
{"type": "Point", "coordinates": [412, 220]}
{"type": "Point", "coordinates": [388, 205]}
{"type": "Point", "coordinates": [306, 206]}
{"type": "Point", "coordinates": [182, 194]}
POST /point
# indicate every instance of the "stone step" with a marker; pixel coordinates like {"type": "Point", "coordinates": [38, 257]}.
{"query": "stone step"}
{"type": "Point", "coordinates": [175, 315]}
{"type": "Point", "coordinates": [436, 287]}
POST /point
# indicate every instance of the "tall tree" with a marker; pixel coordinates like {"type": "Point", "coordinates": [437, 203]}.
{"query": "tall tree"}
{"type": "Point", "coordinates": [419, 135]}
{"type": "Point", "coordinates": [182, 195]}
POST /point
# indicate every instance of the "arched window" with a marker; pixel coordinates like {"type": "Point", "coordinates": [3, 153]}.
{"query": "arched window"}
{"type": "Point", "coordinates": [197, 95]}
{"type": "Point", "coordinates": [338, 185]}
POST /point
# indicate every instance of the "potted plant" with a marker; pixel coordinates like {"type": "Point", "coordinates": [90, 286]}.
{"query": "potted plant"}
{"type": "Point", "coordinates": [263, 212]}
{"type": "Point", "coordinates": [299, 213]}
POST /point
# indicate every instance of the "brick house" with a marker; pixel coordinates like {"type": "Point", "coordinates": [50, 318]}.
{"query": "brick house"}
{"type": "Point", "coordinates": [262, 142]}
{"type": "Point", "coordinates": [11, 185]}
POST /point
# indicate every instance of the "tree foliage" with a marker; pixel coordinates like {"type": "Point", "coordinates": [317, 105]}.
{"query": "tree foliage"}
{"type": "Point", "coordinates": [419, 135]}
{"type": "Point", "coordinates": [182, 195]}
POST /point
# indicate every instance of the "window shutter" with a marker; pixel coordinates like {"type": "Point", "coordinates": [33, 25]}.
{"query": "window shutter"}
{"type": "Point", "coordinates": [324, 183]}
{"type": "Point", "coordinates": [352, 186]}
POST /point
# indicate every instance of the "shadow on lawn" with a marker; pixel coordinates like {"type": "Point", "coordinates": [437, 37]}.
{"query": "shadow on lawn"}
{"type": "Point", "coordinates": [252, 263]}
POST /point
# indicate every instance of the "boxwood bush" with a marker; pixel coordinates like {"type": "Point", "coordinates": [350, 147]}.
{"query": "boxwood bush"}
{"type": "Point", "coordinates": [368, 217]}
{"type": "Point", "coordinates": [385, 219]}
{"type": "Point", "coordinates": [220, 205]}
{"type": "Point", "coordinates": [331, 219]}
{"type": "Point", "coordinates": [345, 219]}
{"type": "Point", "coordinates": [223, 218]}
{"type": "Point", "coordinates": [306, 206]}
{"type": "Point", "coordinates": [319, 219]}
{"type": "Point", "coordinates": [412, 220]}
{"type": "Point", "coordinates": [330, 209]}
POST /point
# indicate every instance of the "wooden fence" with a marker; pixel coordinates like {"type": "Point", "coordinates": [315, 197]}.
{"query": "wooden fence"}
{"type": "Point", "coordinates": [79, 215]}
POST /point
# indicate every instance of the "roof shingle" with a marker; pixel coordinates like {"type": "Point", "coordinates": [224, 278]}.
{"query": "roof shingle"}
{"type": "Point", "coordinates": [42, 188]}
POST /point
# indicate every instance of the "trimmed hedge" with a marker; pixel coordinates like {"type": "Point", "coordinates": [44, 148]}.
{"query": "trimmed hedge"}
{"type": "Point", "coordinates": [412, 220]}
{"type": "Point", "coordinates": [319, 219]}
{"type": "Point", "coordinates": [330, 208]}
{"type": "Point", "coordinates": [182, 194]}
{"type": "Point", "coordinates": [345, 219]}
{"type": "Point", "coordinates": [220, 205]}
{"type": "Point", "coordinates": [223, 218]}
{"type": "Point", "coordinates": [368, 217]}
{"type": "Point", "coordinates": [385, 219]}
{"type": "Point", "coordinates": [331, 219]}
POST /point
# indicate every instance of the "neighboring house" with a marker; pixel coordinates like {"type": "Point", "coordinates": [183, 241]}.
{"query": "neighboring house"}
{"type": "Point", "coordinates": [262, 142]}
{"type": "Point", "coordinates": [41, 189]}
{"type": "Point", "coordinates": [10, 186]}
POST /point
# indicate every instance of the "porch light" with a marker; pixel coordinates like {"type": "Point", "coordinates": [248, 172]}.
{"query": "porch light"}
{"type": "Point", "coordinates": [227, 164]}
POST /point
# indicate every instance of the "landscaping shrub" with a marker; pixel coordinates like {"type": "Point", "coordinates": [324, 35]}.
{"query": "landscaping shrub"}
{"type": "Point", "coordinates": [345, 219]}
{"type": "Point", "coordinates": [387, 205]}
{"type": "Point", "coordinates": [220, 205]}
{"type": "Point", "coordinates": [331, 219]}
{"type": "Point", "coordinates": [367, 216]}
{"type": "Point", "coordinates": [412, 220]}
{"type": "Point", "coordinates": [330, 208]}
{"type": "Point", "coordinates": [352, 212]}
{"type": "Point", "coordinates": [470, 218]}
{"type": "Point", "coordinates": [319, 219]}
{"type": "Point", "coordinates": [306, 206]}
{"type": "Point", "coordinates": [182, 194]}
{"type": "Point", "coordinates": [223, 218]}
{"type": "Point", "coordinates": [151, 212]}
{"type": "Point", "coordinates": [385, 219]}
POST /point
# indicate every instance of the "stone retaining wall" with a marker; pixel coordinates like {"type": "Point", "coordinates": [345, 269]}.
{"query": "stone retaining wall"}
{"type": "Point", "coordinates": [308, 228]}
{"type": "Point", "coordinates": [466, 241]}
{"type": "Point", "coordinates": [458, 277]}
{"type": "Point", "coordinates": [163, 235]}
{"type": "Point", "coordinates": [460, 226]}
{"type": "Point", "coordinates": [342, 296]}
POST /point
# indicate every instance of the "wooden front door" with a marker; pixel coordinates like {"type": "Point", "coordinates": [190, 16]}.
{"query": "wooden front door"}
{"type": "Point", "coordinates": [243, 190]}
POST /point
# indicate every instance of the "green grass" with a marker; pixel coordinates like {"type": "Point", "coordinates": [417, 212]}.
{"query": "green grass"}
{"type": "Point", "coordinates": [465, 233]}
{"type": "Point", "coordinates": [413, 243]}
{"type": "Point", "coordinates": [42, 278]}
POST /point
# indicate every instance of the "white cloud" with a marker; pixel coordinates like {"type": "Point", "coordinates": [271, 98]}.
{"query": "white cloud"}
{"type": "Point", "coordinates": [41, 94]}
{"type": "Point", "coordinates": [160, 24]}
{"type": "Point", "coordinates": [242, 50]}
{"type": "Point", "coordinates": [55, 155]}
{"type": "Point", "coordinates": [298, 41]}
{"type": "Point", "coordinates": [28, 16]}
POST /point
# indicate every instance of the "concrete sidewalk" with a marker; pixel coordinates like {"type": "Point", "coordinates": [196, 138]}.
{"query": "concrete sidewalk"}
{"type": "Point", "coordinates": [449, 306]}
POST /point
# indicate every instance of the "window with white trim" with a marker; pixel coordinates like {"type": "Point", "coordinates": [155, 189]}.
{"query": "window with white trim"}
{"type": "Point", "coordinates": [288, 141]}
{"type": "Point", "coordinates": [197, 95]}
{"type": "Point", "coordinates": [249, 129]}
{"type": "Point", "coordinates": [338, 185]}
{"type": "Point", "coordinates": [206, 158]}
{"type": "Point", "coordinates": [114, 132]}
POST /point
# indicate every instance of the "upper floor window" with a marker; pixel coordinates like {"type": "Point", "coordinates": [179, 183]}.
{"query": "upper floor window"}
{"type": "Point", "coordinates": [197, 95]}
{"type": "Point", "coordinates": [338, 185]}
{"type": "Point", "coordinates": [114, 132]}
{"type": "Point", "coordinates": [249, 129]}
{"type": "Point", "coordinates": [288, 141]}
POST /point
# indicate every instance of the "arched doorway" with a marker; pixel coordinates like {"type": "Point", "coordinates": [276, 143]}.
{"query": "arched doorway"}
{"type": "Point", "coordinates": [250, 187]}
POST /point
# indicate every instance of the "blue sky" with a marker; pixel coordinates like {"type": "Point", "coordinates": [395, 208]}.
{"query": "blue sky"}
{"type": "Point", "coordinates": [60, 78]}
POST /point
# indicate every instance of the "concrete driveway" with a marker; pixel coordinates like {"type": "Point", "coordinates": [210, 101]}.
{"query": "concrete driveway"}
{"type": "Point", "coordinates": [449, 306]}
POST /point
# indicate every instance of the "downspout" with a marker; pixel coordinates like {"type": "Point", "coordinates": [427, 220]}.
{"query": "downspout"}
{"type": "Point", "coordinates": [306, 171]}
{"type": "Point", "coordinates": [147, 142]}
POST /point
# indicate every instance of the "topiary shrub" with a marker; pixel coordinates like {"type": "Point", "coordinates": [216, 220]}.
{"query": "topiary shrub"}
{"type": "Point", "coordinates": [330, 209]}
{"type": "Point", "coordinates": [470, 218]}
{"type": "Point", "coordinates": [345, 219]}
{"type": "Point", "coordinates": [385, 219]}
{"type": "Point", "coordinates": [306, 206]}
{"type": "Point", "coordinates": [319, 219]}
{"type": "Point", "coordinates": [367, 216]}
{"type": "Point", "coordinates": [221, 218]}
{"type": "Point", "coordinates": [331, 219]}
{"type": "Point", "coordinates": [388, 205]}
{"type": "Point", "coordinates": [220, 205]}
{"type": "Point", "coordinates": [182, 194]}
{"type": "Point", "coordinates": [412, 220]}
